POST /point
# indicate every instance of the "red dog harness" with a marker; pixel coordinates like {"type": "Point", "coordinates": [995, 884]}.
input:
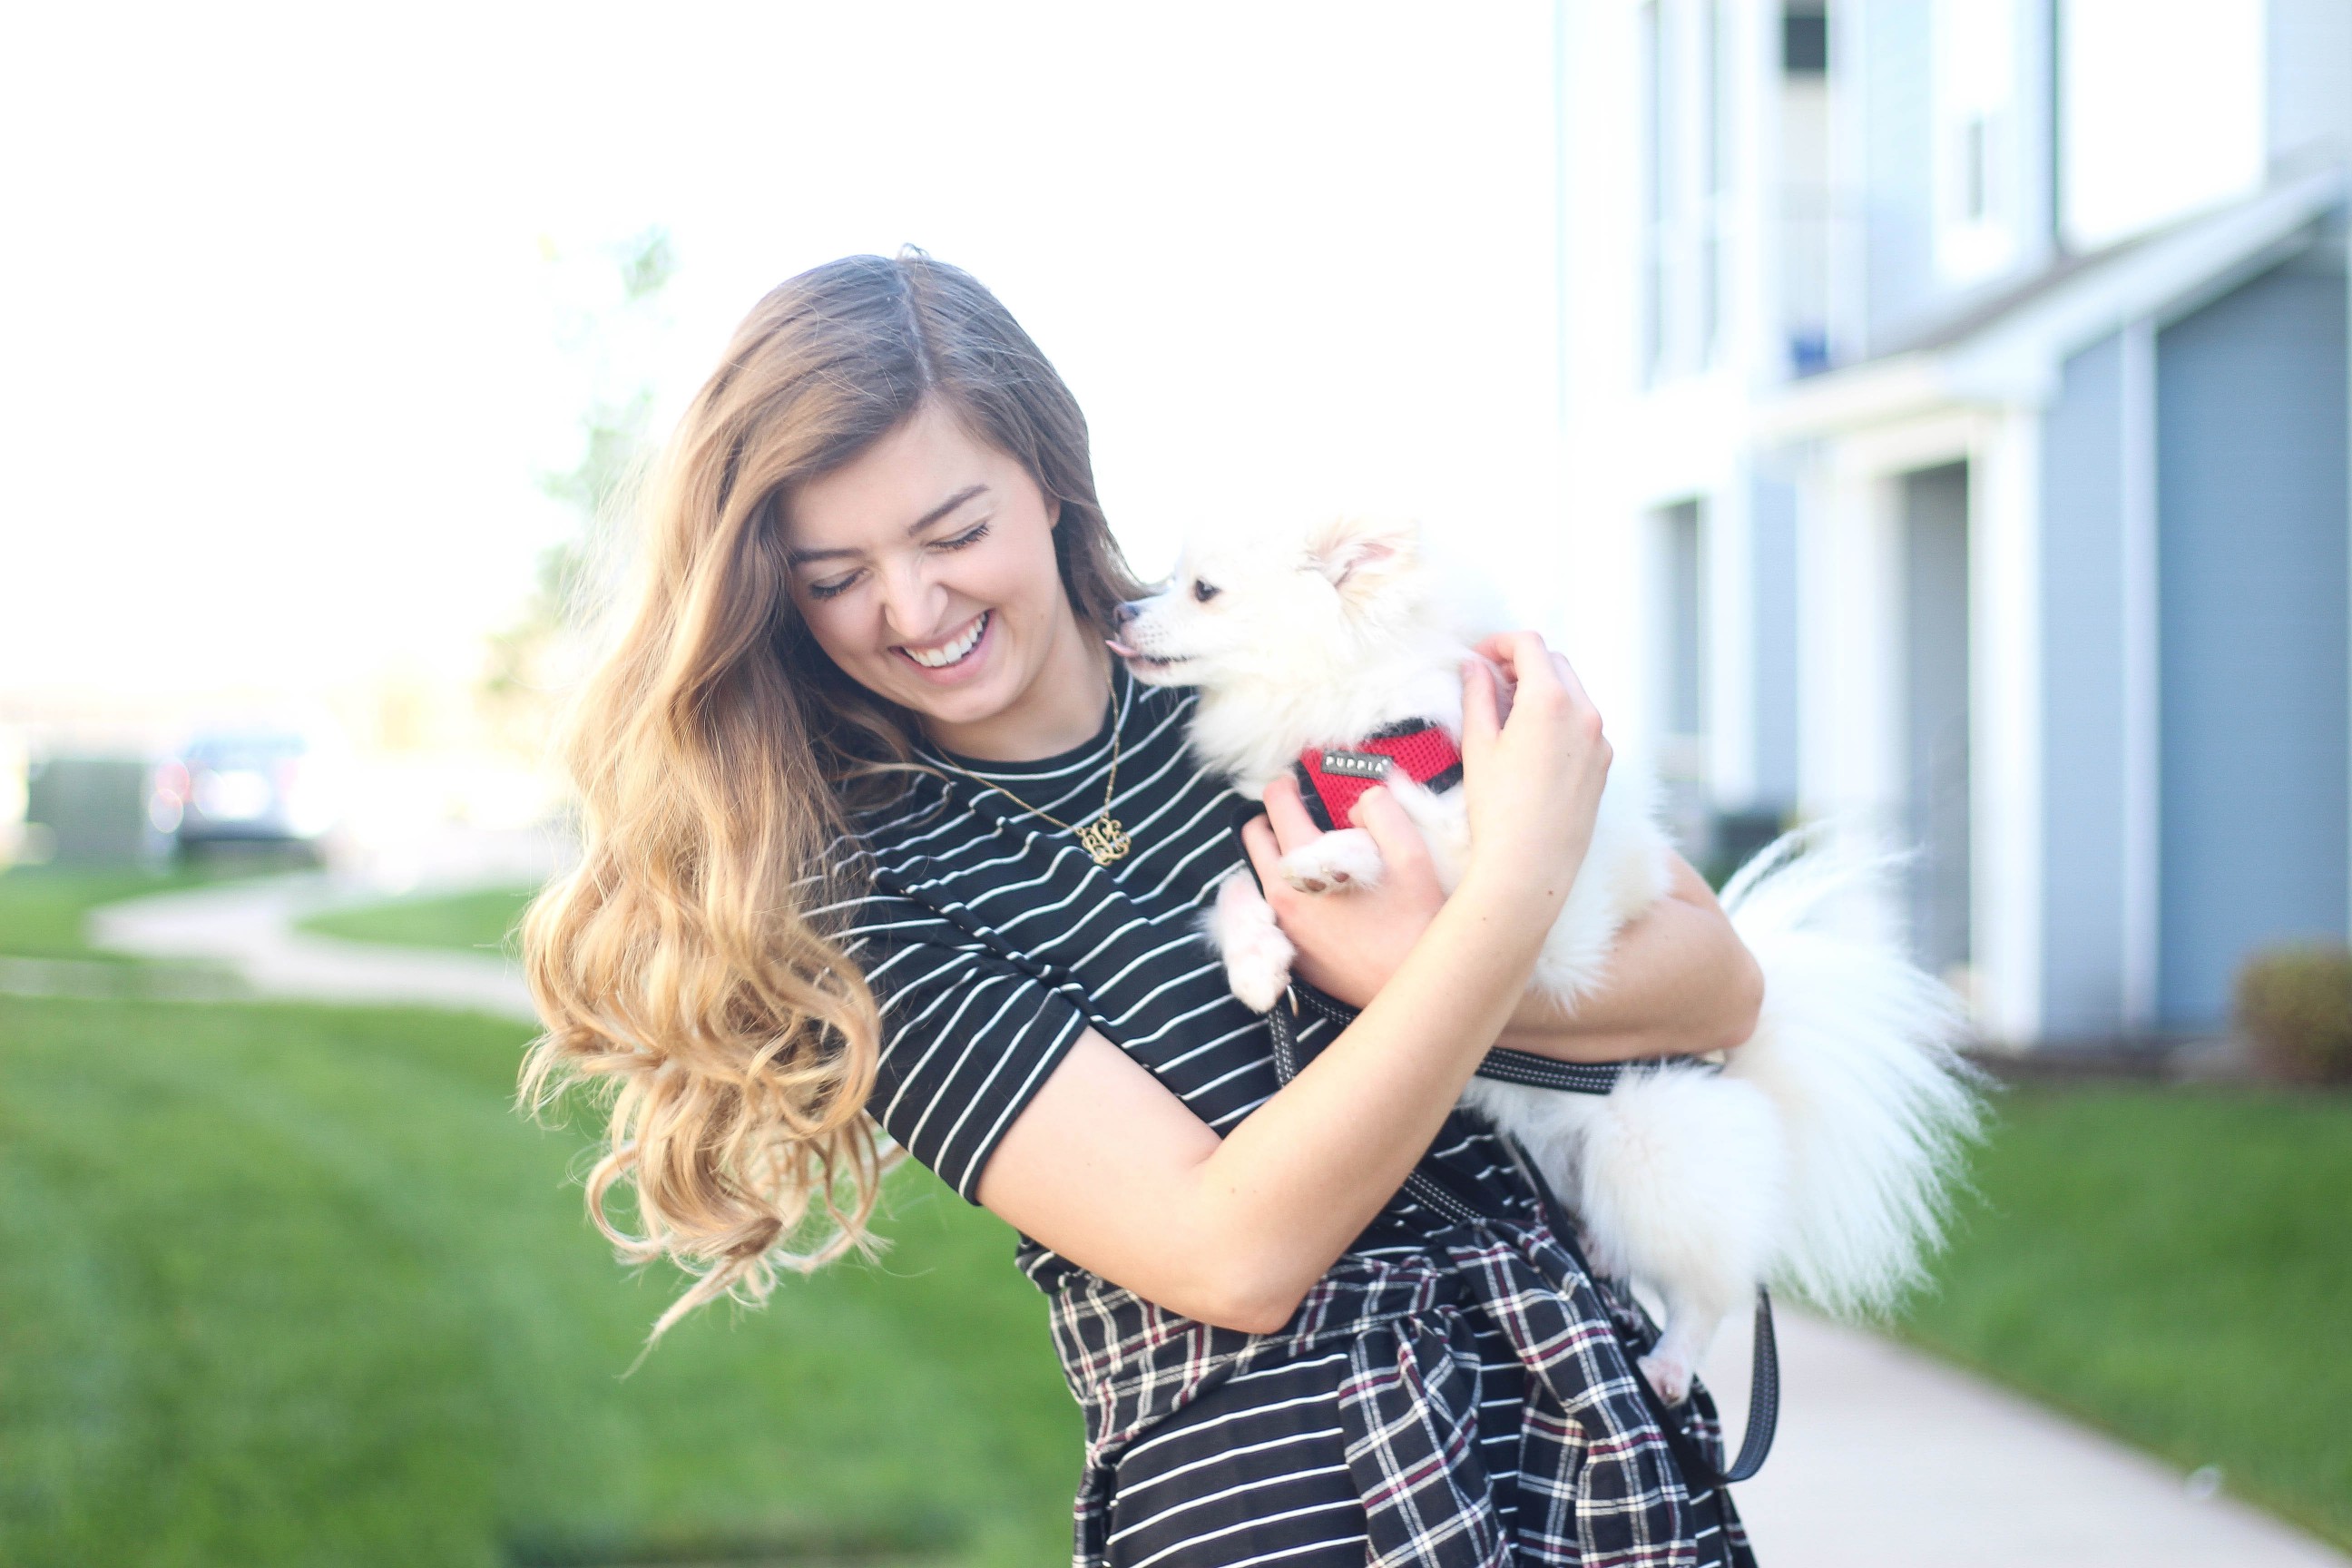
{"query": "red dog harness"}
{"type": "Point", "coordinates": [1332, 779]}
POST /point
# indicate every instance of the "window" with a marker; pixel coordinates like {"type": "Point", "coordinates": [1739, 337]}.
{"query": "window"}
{"type": "Point", "coordinates": [1680, 536]}
{"type": "Point", "coordinates": [1804, 42]}
{"type": "Point", "coordinates": [1687, 179]}
{"type": "Point", "coordinates": [1685, 620]}
{"type": "Point", "coordinates": [1975, 203]}
{"type": "Point", "coordinates": [1808, 211]}
{"type": "Point", "coordinates": [1657, 168]}
{"type": "Point", "coordinates": [1712, 180]}
{"type": "Point", "coordinates": [1974, 79]}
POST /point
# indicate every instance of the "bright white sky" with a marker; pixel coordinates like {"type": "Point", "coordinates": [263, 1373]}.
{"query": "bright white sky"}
{"type": "Point", "coordinates": [282, 352]}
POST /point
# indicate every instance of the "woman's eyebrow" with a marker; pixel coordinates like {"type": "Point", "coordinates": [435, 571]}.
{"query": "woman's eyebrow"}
{"type": "Point", "coordinates": [796, 557]}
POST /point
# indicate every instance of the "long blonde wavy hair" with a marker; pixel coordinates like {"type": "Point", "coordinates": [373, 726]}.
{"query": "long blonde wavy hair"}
{"type": "Point", "coordinates": [682, 980]}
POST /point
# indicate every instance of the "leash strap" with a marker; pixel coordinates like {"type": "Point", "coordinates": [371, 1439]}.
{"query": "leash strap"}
{"type": "Point", "coordinates": [1763, 1371]}
{"type": "Point", "coordinates": [1503, 1063]}
{"type": "Point", "coordinates": [1283, 1023]}
{"type": "Point", "coordinates": [1763, 1396]}
{"type": "Point", "coordinates": [1578, 1078]}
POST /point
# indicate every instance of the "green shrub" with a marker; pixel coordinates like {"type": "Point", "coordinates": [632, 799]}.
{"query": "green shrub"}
{"type": "Point", "coordinates": [2295, 1007]}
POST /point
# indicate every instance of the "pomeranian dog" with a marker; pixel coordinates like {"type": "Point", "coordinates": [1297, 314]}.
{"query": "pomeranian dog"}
{"type": "Point", "coordinates": [1816, 1155]}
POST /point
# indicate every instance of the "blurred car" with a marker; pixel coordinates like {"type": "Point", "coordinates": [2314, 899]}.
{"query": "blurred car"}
{"type": "Point", "coordinates": [247, 785]}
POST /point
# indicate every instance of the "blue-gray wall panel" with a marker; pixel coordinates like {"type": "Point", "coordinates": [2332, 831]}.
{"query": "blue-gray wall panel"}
{"type": "Point", "coordinates": [2252, 518]}
{"type": "Point", "coordinates": [2083, 754]}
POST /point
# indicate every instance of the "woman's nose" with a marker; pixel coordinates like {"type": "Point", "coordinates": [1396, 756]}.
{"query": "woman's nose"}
{"type": "Point", "coordinates": [911, 601]}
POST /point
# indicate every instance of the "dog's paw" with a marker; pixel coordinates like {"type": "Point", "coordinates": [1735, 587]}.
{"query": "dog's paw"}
{"type": "Point", "coordinates": [1259, 976]}
{"type": "Point", "coordinates": [1670, 1374]}
{"type": "Point", "coordinates": [1348, 859]}
{"type": "Point", "coordinates": [1257, 955]}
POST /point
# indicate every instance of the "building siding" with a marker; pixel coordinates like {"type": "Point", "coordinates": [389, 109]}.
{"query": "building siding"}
{"type": "Point", "coordinates": [2082, 744]}
{"type": "Point", "coordinates": [2251, 510]}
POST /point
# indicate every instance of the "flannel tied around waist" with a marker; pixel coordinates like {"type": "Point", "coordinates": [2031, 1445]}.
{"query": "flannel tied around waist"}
{"type": "Point", "coordinates": [1598, 1487]}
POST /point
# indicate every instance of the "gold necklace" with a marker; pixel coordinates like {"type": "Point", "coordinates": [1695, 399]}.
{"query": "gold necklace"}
{"type": "Point", "coordinates": [1103, 838]}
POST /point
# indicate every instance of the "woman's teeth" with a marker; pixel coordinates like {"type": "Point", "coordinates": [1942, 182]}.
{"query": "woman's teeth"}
{"type": "Point", "coordinates": [950, 653]}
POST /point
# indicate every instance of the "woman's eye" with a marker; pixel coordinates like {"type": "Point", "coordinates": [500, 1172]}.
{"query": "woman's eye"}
{"type": "Point", "coordinates": [969, 536]}
{"type": "Point", "coordinates": [828, 590]}
{"type": "Point", "coordinates": [1205, 591]}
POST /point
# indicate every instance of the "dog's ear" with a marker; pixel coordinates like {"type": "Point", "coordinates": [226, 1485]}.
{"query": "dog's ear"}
{"type": "Point", "coordinates": [1360, 554]}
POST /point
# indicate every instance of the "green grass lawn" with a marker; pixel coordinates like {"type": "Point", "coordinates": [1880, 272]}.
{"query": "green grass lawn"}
{"type": "Point", "coordinates": [479, 922]}
{"type": "Point", "coordinates": [294, 1285]}
{"type": "Point", "coordinates": [2176, 1266]}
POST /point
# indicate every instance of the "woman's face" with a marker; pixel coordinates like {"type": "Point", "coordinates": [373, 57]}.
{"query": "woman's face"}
{"type": "Point", "coordinates": [925, 570]}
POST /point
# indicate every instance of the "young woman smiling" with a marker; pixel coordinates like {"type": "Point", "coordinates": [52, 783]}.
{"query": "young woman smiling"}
{"type": "Point", "coordinates": [877, 831]}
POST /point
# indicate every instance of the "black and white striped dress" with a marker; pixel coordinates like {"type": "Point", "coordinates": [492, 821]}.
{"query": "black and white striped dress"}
{"type": "Point", "coordinates": [1449, 1393]}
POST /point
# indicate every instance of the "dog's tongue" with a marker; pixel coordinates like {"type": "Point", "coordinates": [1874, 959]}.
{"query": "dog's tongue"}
{"type": "Point", "coordinates": [1120, 648]}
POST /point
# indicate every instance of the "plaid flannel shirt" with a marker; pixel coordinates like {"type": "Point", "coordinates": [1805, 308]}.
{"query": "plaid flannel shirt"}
{"type": "Point", "coordinates": [1598, 1487]}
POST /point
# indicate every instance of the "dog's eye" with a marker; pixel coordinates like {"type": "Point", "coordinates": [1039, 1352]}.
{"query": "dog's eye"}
{"type": "Point", "coordinates": [1205, 591]}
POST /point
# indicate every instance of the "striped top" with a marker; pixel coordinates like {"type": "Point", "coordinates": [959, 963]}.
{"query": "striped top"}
{"type": "Point", "coordinates": [992, 941]}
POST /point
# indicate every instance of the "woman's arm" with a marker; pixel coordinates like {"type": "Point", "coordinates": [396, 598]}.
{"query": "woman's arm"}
{"type": "Point", "coordinates": [1679, 980]}
{"type": "Point", "coordinates": [1109, 1169]}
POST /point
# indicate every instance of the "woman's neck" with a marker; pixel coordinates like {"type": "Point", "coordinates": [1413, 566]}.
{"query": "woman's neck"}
{"type": "Point", "coordinates": [1060, 709]}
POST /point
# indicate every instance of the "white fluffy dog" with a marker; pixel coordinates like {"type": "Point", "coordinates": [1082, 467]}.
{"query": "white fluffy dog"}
{"type": "Point", "coordinates": [1815, 1156]}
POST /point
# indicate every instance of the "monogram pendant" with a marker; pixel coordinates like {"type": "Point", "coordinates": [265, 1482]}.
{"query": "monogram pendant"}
{"type": "Point", "coordinates": [1103, 839]}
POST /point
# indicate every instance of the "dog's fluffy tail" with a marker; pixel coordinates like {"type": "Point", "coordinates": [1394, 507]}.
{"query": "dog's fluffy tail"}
{"type": "Point", "coordinates": [1856, 1047]}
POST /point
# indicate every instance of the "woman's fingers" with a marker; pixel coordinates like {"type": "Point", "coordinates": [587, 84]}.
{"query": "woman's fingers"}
{"type": "Point", "coordinates": [1533, 770]}
{"type": "Point", "coordinates": [1566, 674]}
{"type": "Point", "coordinates": [1379, 812]}
{"type": "Point", "coordinates": [1536, 673]}
{"type": "Point", "coordinates": [1481, 712]}
{"type": "Point", "coordinates": [1512, 651]}
{"type": "Point", "coordinates": [1293, 828]}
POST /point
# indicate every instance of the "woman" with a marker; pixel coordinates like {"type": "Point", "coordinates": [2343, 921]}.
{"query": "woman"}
{"type": "Point", "coordinates": [874, 824]}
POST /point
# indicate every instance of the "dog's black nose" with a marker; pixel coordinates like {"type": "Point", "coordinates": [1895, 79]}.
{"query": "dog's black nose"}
{"type": "Point", "coordinates": [1127, 610]}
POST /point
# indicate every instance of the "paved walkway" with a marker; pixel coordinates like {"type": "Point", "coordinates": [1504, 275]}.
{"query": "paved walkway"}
{"type": "Point", "coordinates": [1886, 1458]}
{"type": "Point", "coordinates": [248, 929]}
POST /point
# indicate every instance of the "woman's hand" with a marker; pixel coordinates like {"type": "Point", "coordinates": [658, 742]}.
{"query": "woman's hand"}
{"type": "Point", "coordinates": [1532, 782]}
{"type": "Point", "coordinates": [1349, 944]}
{"type": "Point", "coordinates": [1537, 775]}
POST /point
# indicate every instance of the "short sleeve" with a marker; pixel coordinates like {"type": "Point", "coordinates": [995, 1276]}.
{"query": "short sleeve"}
{"type": "Point", "coordinates": [968, 1036]}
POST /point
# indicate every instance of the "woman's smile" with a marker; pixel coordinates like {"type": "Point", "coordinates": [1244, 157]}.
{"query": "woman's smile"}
{"type": "Point", "coordinates": [959, 657]}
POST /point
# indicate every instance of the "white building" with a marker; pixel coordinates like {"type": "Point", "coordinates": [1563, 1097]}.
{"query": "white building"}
{"type": "Point", "coordinates": [1966, 381]}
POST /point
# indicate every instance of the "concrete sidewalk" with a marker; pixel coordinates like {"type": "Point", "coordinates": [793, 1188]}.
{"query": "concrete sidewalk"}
{"type": "Point", "coordinates": [1886, 1458]}
{"type": "Point", "coordinates": [248, 929]}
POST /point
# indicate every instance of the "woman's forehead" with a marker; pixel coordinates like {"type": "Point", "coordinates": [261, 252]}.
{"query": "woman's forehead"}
{"type": "Point", "coordinates": [926, 470]}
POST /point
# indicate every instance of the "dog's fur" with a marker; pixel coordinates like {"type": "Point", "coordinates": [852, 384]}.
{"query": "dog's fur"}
{"type": "Point", "coordinates": [1817, 1155]}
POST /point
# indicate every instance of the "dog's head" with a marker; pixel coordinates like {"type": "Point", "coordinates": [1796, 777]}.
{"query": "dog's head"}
{"type": "Point", "coordinates": [1277, 606]}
